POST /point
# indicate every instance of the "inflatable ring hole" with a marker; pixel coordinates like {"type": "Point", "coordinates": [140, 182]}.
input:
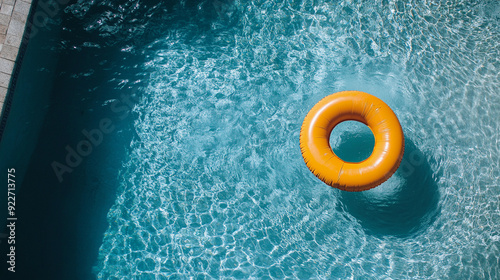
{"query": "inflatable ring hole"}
{"type": "Point", "coordinates": [352, 141]}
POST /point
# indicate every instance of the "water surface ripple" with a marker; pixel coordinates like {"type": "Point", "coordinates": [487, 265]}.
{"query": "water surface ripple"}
{"type": "Point", "coordinates": [214, 185]}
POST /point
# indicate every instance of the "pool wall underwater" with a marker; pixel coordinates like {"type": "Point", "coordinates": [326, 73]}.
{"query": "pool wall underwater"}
{"type": "Point", "coordinates": [60, 223]}
{"type": "Point", "coordinates": [160, 140]}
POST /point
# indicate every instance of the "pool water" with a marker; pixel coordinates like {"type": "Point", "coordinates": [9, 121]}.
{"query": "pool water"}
{"type": "Point", "coordinates": [214, 184]}
{"type": "Point", "coordinates": [203, 175]}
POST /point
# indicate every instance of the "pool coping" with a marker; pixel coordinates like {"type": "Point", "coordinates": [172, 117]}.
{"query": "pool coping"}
{"type": "Point", "coordinates": [16, 17]}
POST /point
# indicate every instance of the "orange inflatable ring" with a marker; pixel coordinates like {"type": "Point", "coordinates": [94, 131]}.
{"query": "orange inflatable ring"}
{"type": "Point", "coordinates": [352, 106]}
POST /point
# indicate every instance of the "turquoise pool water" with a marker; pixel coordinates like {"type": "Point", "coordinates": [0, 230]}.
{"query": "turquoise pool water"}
{"type": "Point", "coordinates": [214, 184]}
{"type": "Point", "coordinates": [204, 176]}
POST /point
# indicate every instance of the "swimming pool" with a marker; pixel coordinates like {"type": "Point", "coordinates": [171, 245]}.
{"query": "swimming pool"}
{"type": "Point", "coordinates": [203, 175]}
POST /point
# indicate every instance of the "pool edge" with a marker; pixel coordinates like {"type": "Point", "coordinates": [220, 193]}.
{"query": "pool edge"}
{"type": "Point", "coordinates": [14, 37]}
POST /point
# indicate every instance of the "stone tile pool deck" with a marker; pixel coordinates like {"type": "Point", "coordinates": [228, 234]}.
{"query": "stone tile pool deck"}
{"type": "Point", "coordinates": [13, 17]}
